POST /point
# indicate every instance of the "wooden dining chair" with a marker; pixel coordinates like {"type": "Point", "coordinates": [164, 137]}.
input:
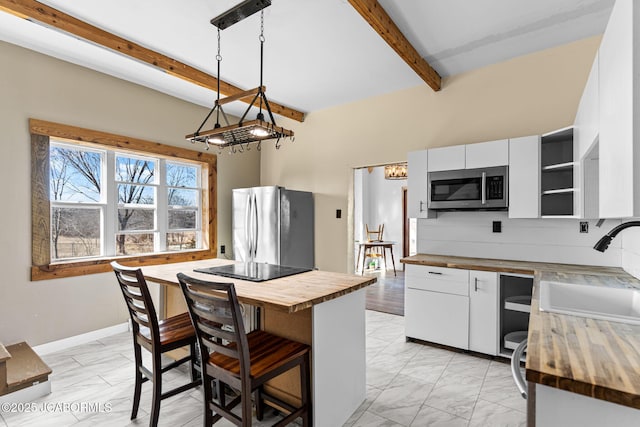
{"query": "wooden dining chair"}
{"type": "Point", "coordinates": [244, 362]}
{"type": "Point", "coordinates": [155, 336]}
{"type": "Point", "coordinates": [374, 235]}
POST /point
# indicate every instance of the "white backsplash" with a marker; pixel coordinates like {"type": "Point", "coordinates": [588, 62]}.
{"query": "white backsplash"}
{"type": "Point", "coordinates": [541, 240]}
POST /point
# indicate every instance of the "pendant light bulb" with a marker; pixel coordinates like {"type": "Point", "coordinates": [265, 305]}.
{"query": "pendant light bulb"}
{"type": "Point", "coordinates": [259, 132]}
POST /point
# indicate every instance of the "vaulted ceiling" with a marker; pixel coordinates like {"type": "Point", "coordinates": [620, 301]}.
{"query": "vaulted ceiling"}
{"type": "Point", "coordinates": [318, 53]}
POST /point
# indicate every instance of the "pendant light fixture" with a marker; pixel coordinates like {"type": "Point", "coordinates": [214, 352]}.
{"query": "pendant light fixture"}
{"type": "Point", "coordinates": [395, 171]}
{"type": "Point", "coordinates": [244, 132]}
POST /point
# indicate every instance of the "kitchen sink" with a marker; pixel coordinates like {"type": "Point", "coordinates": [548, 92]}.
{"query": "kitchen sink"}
{"type": "Point", "coordinates": [597, 302]}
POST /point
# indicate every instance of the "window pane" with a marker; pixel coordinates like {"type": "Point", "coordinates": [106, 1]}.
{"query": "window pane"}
{"type": "Point", "coordinates": [182, 175]}
{"type": "Point", "coordinates": [75, 233]}
{"type": "Point", "coordinates": [181, 241]}
{"type": "Point", "coordinates": [132, 244]}
{"type": "Point", "coordinates": [134, 170]}
{"type": "Point", "coordinates": [182, 198]}
{"type": "Point", "coordinates": [181, 219]}
{"type": "Point", "coordinates": [136, 194]}
{"type": "Point", "coordinates": [136, 219]}
{"type": "Point", "coordinates": [74, 174]}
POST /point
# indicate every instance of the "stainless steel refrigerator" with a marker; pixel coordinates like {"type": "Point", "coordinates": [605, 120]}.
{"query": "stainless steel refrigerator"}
{"type": "Point", "coordinates": [273, 225]}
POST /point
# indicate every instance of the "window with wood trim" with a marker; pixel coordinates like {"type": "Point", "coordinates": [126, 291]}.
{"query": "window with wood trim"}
{"type": "Point", "coordinates": [99, 196]}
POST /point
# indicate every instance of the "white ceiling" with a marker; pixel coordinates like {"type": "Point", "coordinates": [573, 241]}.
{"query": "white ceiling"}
{"type": "Point", "coordinates": [318, 53]}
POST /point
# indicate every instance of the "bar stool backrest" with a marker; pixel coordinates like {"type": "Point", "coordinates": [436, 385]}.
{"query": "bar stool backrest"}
{"type": "Point", "coordinates": [139, 303]}
{"type": "Point", "coordinates": [218, 322]}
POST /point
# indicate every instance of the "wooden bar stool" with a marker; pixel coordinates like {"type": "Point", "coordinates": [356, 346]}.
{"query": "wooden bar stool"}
{"type": "Point", "coordinates": [157, 337]}
{"type": "Point", "coordinates": [243, 362]}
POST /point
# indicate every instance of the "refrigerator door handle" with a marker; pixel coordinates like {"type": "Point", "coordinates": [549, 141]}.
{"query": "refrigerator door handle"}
{"type": "Point", "coordinates": [247, 227]}
{"type": "Point", "coordinates": [256, 226]}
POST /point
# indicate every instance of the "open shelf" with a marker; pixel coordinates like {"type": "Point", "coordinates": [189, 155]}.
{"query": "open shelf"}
{"type": "Point", "coordinates": [559, 166]}
{"type": "Point", "coordinates": [557, 204]}
{"type": "Point", "coordinates": [513, 339]}
{"type": "Point", "coordinates": [515, 308]}
{"type": "Point", "coordinates": [556, 179]}
{"type": "Point", "coordinates": [559, 191]}
{"type": "Point", "coordinates": [520, 303]}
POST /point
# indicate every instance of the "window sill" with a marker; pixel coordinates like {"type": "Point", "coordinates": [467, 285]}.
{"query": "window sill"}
{"type": "Point", "coordinates": [102, 265]}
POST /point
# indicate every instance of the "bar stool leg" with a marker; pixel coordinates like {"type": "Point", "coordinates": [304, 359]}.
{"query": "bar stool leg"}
{"type": "Point", "coordinates": [138, 385]}
{"type": "Point", "coordinates": [157, 389]}
{"type": "Point", "coordinates": [305, 388]}
{"type": "Point", "coordinates": [259, 404]}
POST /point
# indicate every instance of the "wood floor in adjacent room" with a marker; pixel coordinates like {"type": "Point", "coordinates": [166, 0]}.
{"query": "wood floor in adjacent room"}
{"type": "Point", "coordinates": [387, 294]}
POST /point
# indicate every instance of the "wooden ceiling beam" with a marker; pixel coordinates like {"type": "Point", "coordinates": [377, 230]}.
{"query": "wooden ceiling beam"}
{"type": "Point", "coordinates": [378, 18]}
{"type": "Point", "coordinates": [36, 11]}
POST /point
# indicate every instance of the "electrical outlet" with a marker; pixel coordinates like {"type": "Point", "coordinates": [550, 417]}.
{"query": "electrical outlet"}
{"type": "Point", "coordinates": [584, 226]}
{"type": "Point", "coordinates": [222, 249]}
{"type": "Point", "coordinates": [497, 226]}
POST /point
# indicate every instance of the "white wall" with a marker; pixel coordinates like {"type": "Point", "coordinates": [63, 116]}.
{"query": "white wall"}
{"type": "Point", "coordinates": [528, 95]}
{"type": "Point", "coordinates": [34, 85]}
{"type": "Point", "coordinates": [543, 240]}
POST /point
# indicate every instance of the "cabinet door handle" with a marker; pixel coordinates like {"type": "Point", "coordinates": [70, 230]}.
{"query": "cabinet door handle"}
{"type": "Point", "coordinates": [476, 284]}
{"type": "Point", "coordinates": [421, 204]}
{"type": "Point", "coordinates": [435, 272]}
{"type": "Point", "coordinates": [484, 188]}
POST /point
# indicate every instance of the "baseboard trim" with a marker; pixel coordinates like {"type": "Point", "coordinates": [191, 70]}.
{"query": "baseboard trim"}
{"type": "Point", "coordinates": [66, 343]}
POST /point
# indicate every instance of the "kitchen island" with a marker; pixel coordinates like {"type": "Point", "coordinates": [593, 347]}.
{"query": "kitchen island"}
{"type": "Point", "coordinates": [323, 309]}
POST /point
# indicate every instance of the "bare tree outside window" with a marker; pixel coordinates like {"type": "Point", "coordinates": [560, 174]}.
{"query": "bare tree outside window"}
{"type": "Point", "coordinates": [75, 177]}
{"type": "Point", "coordinates": [76, 190]}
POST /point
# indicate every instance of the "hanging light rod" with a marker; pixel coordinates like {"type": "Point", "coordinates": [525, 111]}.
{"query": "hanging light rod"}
{"type": "Point", "coordinates": [239, 12]}
{"type": "Point", "coordinates": [244, 132]}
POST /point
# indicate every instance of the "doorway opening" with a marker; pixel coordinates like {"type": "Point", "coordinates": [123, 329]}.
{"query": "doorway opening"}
{"type": "Point", "coordinates": [380, 204]}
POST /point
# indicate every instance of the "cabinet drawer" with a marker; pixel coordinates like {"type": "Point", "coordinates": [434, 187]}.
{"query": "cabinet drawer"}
{"type": "Point", "coordinates": [438, 279]}
{"type": "Point", "coordinates": [440, 273]}
{"type": "Point", "coordinates": [438, 285]}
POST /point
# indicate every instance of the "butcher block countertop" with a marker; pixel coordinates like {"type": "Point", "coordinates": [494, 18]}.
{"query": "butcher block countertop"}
{"type": "Point", "coordinates": [288, 294]}
{"type": "Point", "coordinates": [595, 358]}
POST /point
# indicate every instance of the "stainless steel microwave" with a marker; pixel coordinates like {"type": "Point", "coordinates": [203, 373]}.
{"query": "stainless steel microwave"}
{"type": "Point", "coordinates": [469, 189]}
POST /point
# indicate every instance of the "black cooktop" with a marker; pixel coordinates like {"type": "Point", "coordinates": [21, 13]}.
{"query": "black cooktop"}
{"type": "Point", "coordinates": [253, 271]}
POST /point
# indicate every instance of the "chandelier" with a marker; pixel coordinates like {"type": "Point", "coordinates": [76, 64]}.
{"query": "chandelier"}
{"type": "Point", "coordinates": [245, 131]}
{"type": "Point", "coordinates": [395, 171]}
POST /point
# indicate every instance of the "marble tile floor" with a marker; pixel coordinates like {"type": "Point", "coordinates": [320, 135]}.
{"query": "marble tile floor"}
{"type": "Point", "coordinates": [408, 384]}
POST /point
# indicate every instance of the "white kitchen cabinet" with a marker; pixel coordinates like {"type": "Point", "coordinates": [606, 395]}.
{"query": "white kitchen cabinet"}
{"type": "Point", "coordinates": [437, 317]}
{"type": "Point", "coordinates": [555, 407]}
{"type": "Point", "coordinates": [524, 177]}
{"type": "Point", "coordinates": [619, 162]}
{"type": "Point", "coordinates": [483, 312]}
{"type": "Point", "coordinates": [487, 154]}
{"type": "Point", "coordinates": [417, 186]}
{"type": "Point", "coordinates": [587, 122]}
{"type": "Point", "coordinates": [585, 141]}
{"type": "Point", "coordinates": [437, 305]}
{"type": "Point", "coordinates": [446, 158]}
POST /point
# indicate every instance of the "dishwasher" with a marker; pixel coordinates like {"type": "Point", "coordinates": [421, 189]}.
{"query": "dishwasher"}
{"type": "Point", "coordinates": [516, 372]}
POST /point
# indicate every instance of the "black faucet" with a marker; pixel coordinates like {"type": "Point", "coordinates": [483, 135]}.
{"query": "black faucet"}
{"type": "Point", "coordinates": [603, 243]}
